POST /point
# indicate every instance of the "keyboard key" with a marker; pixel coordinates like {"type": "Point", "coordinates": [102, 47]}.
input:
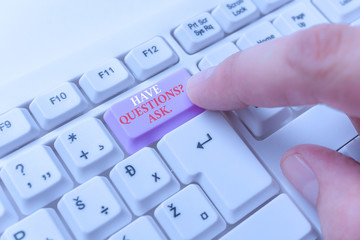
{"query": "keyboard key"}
{"type": "Point", "coordinates": [280, 219]}
{"type": "Point", "coordinates": [233, 14]}
{"type": "Point", "coordinates": [106, 80]}
{"type": "Point", "coordinates": [35, 178]}
{"type": "Point", "coordinates": [298, 109]}
{"type": "Point", "coordinates": [88, 149]}
{"type": "Point", "coordinates": [259, 33]}
{"type": "Point", "coordinates": [189, 215]}
{"type": "Point", "coordinates": [146, 116]}
{"type": "Point", "coordinates": [310, 128]}
{"type": "Point", "coordinates": [262, 122]}
{"type": "Point", "coordinates": [94, 210]}
{"type": "Point", "coordinates": [8, 215]}
{"type": "Point", "coordinates": [267, 6]}
{"type": "Point", "coordinates": [198, 33]}
{"type": "Point", "coordinates": [339, 11]}
{"type": "Point", "coordinates": [206, 150]}
{"type": "Point", "coordinates": [150, 58]}
{"type": "Point", "coordinates": [351, 149]}
{"type": "Point", "coordinates": [143, 186]}
{"type": "Point", "coordinates": [218, 55]}
{"type": "Point", "coordinates": [17, 127]}
{"type": "Point", "coordinates": [142, 228]}
{"type": "Point", "coordinates": [58, 106]}
{"type": "Point", "coordinates": [299, 17]}
{"type": "Point", "coordinates": [43, 224]}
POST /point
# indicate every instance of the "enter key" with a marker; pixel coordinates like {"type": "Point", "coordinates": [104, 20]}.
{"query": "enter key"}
{"type": "Point", "coordinates": [207, 150]}
{"type": "Point", "coordinates": [145, 117]}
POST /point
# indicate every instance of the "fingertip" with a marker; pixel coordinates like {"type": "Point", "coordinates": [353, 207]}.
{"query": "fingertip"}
{"type": "Point", "coordinates": [338, 179]}
{"type": "Point", "coordinates": [300, 174]}
{"type": "Point", "coordinates": [196, 86]}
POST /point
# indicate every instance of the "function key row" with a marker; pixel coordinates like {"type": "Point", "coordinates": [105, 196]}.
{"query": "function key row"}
{"type": "Point", "coordinates": [18, 127]}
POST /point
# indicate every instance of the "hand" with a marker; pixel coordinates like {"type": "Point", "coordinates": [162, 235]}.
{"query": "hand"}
{"type": "Point", "coordinates": [319, 65]}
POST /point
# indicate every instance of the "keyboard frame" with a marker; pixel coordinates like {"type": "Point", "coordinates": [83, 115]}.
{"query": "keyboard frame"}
{"type": "Point", "coordinates": [118, 45]}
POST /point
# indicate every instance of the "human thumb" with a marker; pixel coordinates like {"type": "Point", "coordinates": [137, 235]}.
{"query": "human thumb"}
{"type": "Point", "coordinates": [331, 181]}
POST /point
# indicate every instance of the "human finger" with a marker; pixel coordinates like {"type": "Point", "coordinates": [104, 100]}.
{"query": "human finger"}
{"type": "Point", "coordinates": [319, 65]}
{"type": "Point", "coordinates": [331, 181]}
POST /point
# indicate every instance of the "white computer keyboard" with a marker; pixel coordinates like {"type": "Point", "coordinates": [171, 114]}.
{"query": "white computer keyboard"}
{"type": "Point", "coordinates": [120, 152]}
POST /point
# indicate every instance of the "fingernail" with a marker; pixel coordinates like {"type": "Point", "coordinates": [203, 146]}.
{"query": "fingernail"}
{"type": "Point", "coordinates": [203, 75]}
{"type": "Point", "coordinates": [195, 85]}
{"type": "Point", "coordinates": [208, 72]}
{"type": "Point", "coordinates": [301, 177]}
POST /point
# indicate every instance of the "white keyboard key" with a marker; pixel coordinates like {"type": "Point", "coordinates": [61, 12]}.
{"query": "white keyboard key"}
{"type": "Point", "coordinates": [233, 14]}
{"type": "Point", "coordinates": [298, 109]}
{"type": "Point", "coordinates": [88, 149]}
{"type": "Point", "coordinates": [8, 215]}
{"type": "Point", "coordinates": [266, 6]}
{"type": "Point", "coordinates": [299, 17]}
{"type": "Point", "coordinates": [257, 34]}
{"type": "Point", "coordinates": [262, 122]}
{"type": "Point", "coordinates": [206, 150]}
{"type": "Point", "coordinates": [17, 127]}
{"type": "Point", "coordinates": [43, 224]}
{"type": "Point", "coordinates": [280, 219]}
{"type": "Point", "coordinates": [94, 210]}
{"type": "Point", "coordinates": [198, 33]}
{"type": "Point", "coordinates": [218, 55]}
{"type": "Point", "coordinates": [142, 228]}
{"type": "Point", "coordinates": [352, 149]}
{"type": "Point", "coordinates": [143, 180]}
{"type": "Point", "coordinates": [356, 23]}
{"type": "Point", "coordinates": [106, 80]}
{"type": "Point", "coordinates": [35, 178]}
{"type": "Point", "coordinates": [332, 133]}
{"type": "Point", "coordinates": [339, 11]}
{"type": "Point", "coordinates": [58, 106]}
{"type": "Point", "coordinates": [189, 215]}
{"type": "Point", "coordinates": [150, 58]}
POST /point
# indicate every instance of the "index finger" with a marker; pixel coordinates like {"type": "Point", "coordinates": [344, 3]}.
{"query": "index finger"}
{"type": "Point", "coordinates": [319, 65]}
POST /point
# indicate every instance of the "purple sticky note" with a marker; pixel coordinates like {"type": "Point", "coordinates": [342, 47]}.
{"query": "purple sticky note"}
{"type": "Point", "coordinates": [145, 117]}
